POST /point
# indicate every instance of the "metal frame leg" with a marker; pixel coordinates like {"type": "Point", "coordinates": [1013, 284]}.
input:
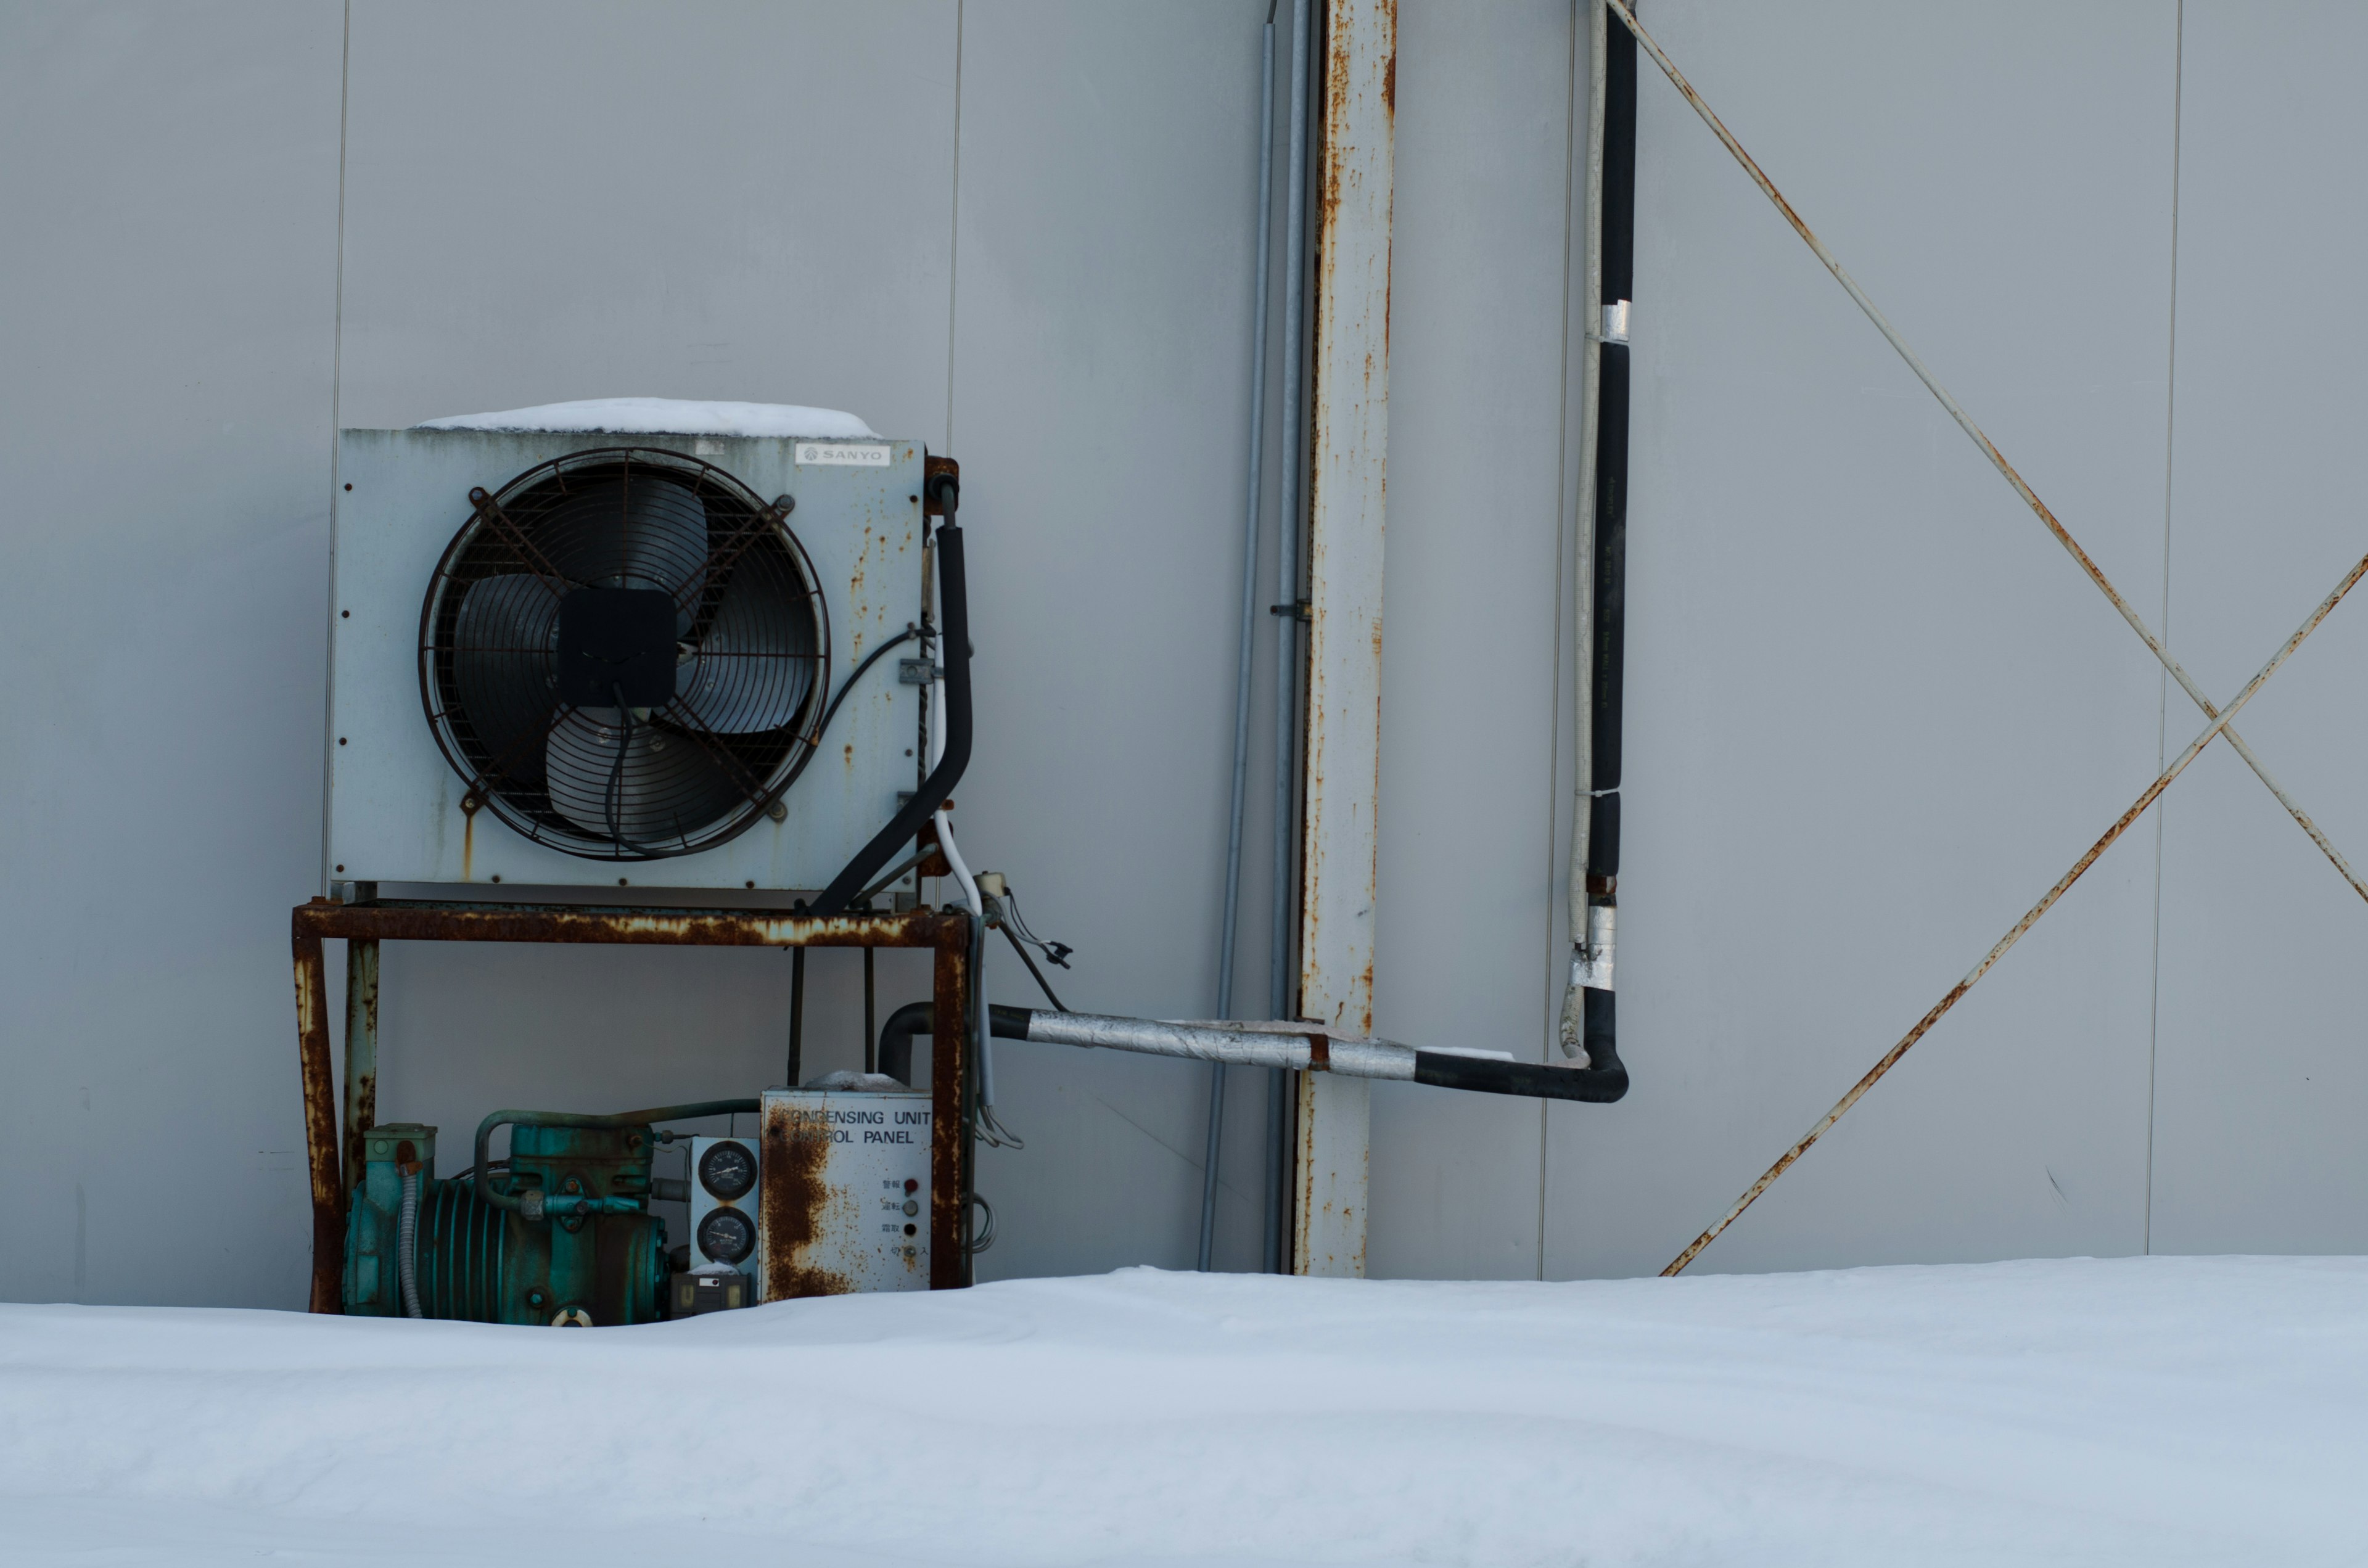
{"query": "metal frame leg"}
{"type": "Point", "coordinates": [320, 1120]}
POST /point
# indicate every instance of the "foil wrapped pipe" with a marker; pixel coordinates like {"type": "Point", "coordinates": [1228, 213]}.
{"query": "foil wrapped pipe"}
{"type": "Point", "coordinates": [1296, 1047]}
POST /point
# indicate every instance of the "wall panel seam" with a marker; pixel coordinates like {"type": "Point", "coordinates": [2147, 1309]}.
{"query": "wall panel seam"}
{"type": "Point", "coordinates": [2162, 677]}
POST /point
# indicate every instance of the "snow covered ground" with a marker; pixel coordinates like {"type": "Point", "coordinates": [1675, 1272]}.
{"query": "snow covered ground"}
{"type": "Point", "coordinates": [2142, 1411]}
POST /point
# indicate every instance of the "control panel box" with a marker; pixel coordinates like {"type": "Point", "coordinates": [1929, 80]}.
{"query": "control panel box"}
{"type": "Point", "coordinates": [844, 1178]}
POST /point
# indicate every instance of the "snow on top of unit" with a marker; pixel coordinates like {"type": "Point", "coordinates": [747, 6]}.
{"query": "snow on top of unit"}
{"type": "Point", "coordinates": [668, 416]}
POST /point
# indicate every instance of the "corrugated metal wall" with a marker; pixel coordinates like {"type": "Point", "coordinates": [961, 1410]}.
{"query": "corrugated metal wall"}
{"type": "Point", "coordinates": [1873, 711]}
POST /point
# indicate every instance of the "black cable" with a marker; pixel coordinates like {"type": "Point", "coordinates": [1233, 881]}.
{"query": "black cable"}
{"type": "Point", "coordinates": [869, 659]}
{"type": "Point", "coordinates": [1002, 923]}
{"type": "Point", "coordinates": [617, 775]}
{"type": "Point", "coordinates": [1055, 953]}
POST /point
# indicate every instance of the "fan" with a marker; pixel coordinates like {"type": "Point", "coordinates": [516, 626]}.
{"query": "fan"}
{"type": "Point", "coordinates": [623, 652]}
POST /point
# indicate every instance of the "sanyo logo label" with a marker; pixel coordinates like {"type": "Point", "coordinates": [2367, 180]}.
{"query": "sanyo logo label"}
{"type": "Point", "coordinates": [843, 454]}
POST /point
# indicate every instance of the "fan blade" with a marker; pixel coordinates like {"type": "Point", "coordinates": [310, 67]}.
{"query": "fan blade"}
{"type": "Point", "coordinates": [502, 669]}
{"type": "Point", "coordinates": [757, 664]}
{"type": "Point", "coordinates": [643, 531]}
{"type": "Point", "coordinates": [671, 787]}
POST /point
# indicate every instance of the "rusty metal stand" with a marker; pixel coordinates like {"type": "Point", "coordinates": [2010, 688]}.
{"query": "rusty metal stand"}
{"type": "Point", "coordinates": [333, 1143]}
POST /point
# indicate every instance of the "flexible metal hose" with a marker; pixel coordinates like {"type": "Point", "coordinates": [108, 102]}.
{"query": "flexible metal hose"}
{"type": "Point", "coordinates": [406, 1244]}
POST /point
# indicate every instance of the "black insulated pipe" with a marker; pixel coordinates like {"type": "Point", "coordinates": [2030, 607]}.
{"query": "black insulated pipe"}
{"type": "Point", "coordinates": [1599, 1029]}
{"type": "Point", "coordinates": [954, 655]}
{"type": "Point", "coordinates": [896, 1044]}
{"type": "Point", "coordinates": [1600, 1082]}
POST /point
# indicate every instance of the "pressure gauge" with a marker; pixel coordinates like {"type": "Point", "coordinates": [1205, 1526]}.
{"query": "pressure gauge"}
{"type": "Point", "coordinates": [728, 1170]}
{"type": "Point", "coordinates": [726, 1236]}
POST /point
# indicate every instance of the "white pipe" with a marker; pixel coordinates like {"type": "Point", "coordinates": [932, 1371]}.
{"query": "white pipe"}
{"type": "Point", "coordinates": [968, 884]}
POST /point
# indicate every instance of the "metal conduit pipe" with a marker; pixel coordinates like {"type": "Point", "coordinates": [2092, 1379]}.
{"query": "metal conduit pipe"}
{"type": "Point", "coordinates": [406, 1242]}
{"type": "Point", "coordinates": [1286, 585]}
{"type": "Point", "coordinates": [1294, 1047]}
{"type": "Point", "coordinates": [1249, 622]}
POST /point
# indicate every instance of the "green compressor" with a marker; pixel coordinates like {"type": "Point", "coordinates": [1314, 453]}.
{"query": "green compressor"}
{"type": "Point", "coordinates": [562, 1237]}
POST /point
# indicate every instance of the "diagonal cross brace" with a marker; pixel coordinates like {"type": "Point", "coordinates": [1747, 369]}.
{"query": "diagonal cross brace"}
{"type": "Point", "coordinates": [1989, 450]}
{"type": "Point", "coordinates": [2121, 824]}
{"type": "Point", "coordinates": [2220, 718]}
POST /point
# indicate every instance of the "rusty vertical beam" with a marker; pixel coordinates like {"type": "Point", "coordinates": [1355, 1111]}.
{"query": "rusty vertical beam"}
{"type": "Point", "coordinates": [320, 1118]}
{"type": "Point", "coordinates": [1346, 498]}
{"type": "Point", "coordinates": [950, 1140]}
{"type": "Point", "coordinates": [361, 1052]}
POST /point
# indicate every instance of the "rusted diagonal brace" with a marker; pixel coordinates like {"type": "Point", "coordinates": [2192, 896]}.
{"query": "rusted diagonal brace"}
{"type": "Point", "coordinates": [1997, 458]}
{"type": "Point", "coordinates": [2137, 807]}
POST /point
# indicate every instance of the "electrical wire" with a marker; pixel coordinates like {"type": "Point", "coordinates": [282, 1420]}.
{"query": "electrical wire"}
{"type": "Point", "coordinates": [617, 784]}
{"type": "Point", "coordinates": [869, 659]}
{"type": "Point", "coordinates": [1057, 953]}
{"type": "Point", "coordinates": [625, 744]}
{"type": "Point", "coordinates": [985, 1128]}
{"type": "Point", "coordinates": [1000, 914]}
{"type": "Point", "coordinates": [617, 773]}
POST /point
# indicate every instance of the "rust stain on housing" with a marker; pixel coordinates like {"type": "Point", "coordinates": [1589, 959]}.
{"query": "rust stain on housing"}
{"type": "Point", "coordinates": [931, 469]}
{"type": "Point", "coordinates": [796, 1149]}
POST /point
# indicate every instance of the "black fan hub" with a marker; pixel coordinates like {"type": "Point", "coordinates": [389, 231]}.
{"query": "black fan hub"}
{"type": "Point", "coordinates": [613, 640]}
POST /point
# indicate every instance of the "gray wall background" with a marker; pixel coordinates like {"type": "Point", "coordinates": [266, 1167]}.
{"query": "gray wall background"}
{"type": "Point", "coordinates": [1874, 710]}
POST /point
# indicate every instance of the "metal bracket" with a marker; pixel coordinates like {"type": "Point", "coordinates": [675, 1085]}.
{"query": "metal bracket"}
{"type": "Point", "coordinates": [918, 672]}
{"type": "Point", "coordinates": [1301, 610]}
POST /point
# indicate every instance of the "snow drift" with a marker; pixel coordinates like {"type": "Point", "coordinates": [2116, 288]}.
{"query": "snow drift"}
{"type": "Point", "coordinates": [2142, 1411]}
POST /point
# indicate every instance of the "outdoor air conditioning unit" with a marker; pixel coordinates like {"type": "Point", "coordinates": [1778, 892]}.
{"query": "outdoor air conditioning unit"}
{"type": "Point", "coordinates": [604, 656]}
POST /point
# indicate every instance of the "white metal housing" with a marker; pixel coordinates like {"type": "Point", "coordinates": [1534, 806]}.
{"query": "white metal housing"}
{"type": "Point", "coordinates": [394, 804]}
{"type": "Point", "coordinates": [846, 1185]}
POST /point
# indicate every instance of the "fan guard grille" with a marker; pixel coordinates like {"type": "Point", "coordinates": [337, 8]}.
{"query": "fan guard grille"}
{"type": "Point", "coordinates": [752, 655]}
